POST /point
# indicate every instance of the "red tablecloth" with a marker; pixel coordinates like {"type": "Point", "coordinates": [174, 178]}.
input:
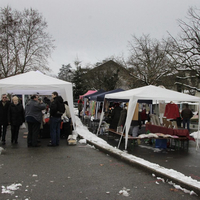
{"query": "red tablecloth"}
{"type": "Point", "coordinates": [159, 129]}
{"type": "Point", "coordinates": [170, 131]}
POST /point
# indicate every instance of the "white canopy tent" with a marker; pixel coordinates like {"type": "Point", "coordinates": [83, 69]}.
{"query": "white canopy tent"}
{"type": "Point", "coordinates": [148, 93]}
{"type": "Point", "coordinates": [35, 82]}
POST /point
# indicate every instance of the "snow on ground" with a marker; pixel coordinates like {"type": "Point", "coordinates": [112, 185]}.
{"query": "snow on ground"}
{"type": "Point", "coordinates": [196, 136]}
{"type": "Point", "coordinates": [11, 188]}
{"type": "Point", "coordinates": [86, 134]}
{"type": "Point", "coordinates": [1, 150]}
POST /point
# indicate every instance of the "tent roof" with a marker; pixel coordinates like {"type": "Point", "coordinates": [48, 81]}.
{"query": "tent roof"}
{"type": "Point", "coordinates": [88, 93]}
{"type": "Point", "coordinates": [148, 93]}
{"type": "Point", "coordinates": [96, 93]}
{"type": "Point", "coordinates": [31, 82]}
{"type": "Point", "coordinates": [100, 97]}
{"type": "Point", "coordinates": [153, 93]}
{"type": "Point", "coordinates": [36, 82]}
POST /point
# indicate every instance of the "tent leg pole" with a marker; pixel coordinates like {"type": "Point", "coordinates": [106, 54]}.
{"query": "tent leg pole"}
{"type": "Point", "coordinates": [119, 142]}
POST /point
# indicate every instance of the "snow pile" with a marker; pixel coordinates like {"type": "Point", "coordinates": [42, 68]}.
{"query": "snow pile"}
{"type": "Point", "coordinates": [84, 132]}
{"type": "Point", "coordinates": [11, 188]}
{"type": "Point", "coordinates": [83, 141]}
{"type": "Point", "coordinates": [124, 192]}
{"type": "Point", "coordinates": [2, 150]}
{"type": "Point", "coordinates": [195, 135]}
{"type": "Point", "coordinates": [178, 187]}
{"type": "Point", "coordinates": [161, 179]}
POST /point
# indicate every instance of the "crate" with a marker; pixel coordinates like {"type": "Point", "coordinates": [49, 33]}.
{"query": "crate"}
{"type": "Point", "coordinates": [161, 143]}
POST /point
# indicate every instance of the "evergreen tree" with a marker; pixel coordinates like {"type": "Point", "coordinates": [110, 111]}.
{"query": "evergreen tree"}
{"type": "Point", "coordinates": [78, 83]}
{"type": "Point", "coordinates": [66, 73]}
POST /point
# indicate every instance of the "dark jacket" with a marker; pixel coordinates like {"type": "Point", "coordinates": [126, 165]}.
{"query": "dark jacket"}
{"type": "Point", "coordinates": [186, 113]}
{"type": "Point", "coordinates": [4, 113]}
{"type": "Point", "coordinates": [122, 118]}
{"type": "Point", "coordinates": [33, 110]}
{"type": "Point", "coordinates": [54, 107]}
{"type": "Point", "coordinates": [80, 105]}
{"type": "Point", "coordinates": [16, 114]}
{"type": "Point", "coordinates": [115, 115]}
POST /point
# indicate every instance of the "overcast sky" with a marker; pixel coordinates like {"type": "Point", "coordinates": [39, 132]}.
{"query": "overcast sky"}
{"type": "Point", "coordinates": [93, 30]}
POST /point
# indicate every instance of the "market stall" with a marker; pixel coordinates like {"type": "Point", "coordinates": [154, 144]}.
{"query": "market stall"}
{"type": "Point", "coordinates": [93, 107]}
{"type": "Point", "coordinates": [148, 93]}
{"type": "Point", "coordinates": [87, 93]}
{"type": "Point", "coordinates": [35, 82]}
{"type": "Point", "coordinates": [87, 99]}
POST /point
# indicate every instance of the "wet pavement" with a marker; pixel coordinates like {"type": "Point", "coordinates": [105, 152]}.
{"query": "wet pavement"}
{"type": "Point", "coordinates": [78, 172]}
{"type": "Point", "coordinates": [186, 161]}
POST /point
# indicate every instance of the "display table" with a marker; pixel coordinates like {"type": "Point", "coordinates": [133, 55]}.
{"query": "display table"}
{"type": "Point", "coordinates": [169, 131]}
{"type": "Point", "coordinates": [159, 129]}
{"type": "Point", "coordinates": [178, 137]}
{"type": "Point", "coordinates": [123, 135]}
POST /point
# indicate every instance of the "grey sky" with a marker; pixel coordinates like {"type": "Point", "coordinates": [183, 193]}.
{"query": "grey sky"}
{"type": "Point", "coordinates": [92, 30]}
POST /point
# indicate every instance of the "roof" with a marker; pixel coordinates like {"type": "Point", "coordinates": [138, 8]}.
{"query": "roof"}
{"type": "Point", "coordinates": [88, 93]}
{"type": "Point", "coordinates": [152, 92]}
{"type": "Point", "coordinates": [36, 82]}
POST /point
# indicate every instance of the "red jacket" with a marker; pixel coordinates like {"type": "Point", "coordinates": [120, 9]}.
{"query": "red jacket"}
{"type": "Point", "coordinates": [171, 111]}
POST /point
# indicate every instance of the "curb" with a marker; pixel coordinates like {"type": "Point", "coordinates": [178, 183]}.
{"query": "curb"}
{"type": "Point", "coordinates": [150, 170]}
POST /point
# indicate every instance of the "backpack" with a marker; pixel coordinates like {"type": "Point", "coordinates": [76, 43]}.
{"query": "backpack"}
{"type": "Point", "coordinates": [60, 105]}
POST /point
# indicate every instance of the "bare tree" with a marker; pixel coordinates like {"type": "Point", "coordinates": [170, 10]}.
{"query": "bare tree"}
{"type": "Point", "coordinates": [185, 49]}
{"type": "Point", "coordinates": [148, 60]}
{"type": "Point", "coordinates": [9, 33]}
{"type": "Point", "coordinates": [24, 43]}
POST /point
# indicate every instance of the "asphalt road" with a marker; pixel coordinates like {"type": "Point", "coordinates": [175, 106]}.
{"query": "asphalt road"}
{"type": "Point", "coordinates": [74, 173]}
{"type": "Point", "coordinates": [186, 161]}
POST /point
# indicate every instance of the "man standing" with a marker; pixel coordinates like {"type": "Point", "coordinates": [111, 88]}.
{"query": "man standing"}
{"type": "Point", "coordinates": [4, 106]}
{"type": "Point", "coordinates": [33, 114]}
{"type": "Point", "coordinates": [57, 109]}
{"type": "Point", "coordinates": [186, 115]}
{"type": "Point", "coordinates": [80, 108]}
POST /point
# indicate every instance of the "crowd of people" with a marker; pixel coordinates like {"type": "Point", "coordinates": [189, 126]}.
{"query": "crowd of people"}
{"type": "Point", "coordinates": [59, 118]}
{"type": "Point", "coordinates": [12, 113]}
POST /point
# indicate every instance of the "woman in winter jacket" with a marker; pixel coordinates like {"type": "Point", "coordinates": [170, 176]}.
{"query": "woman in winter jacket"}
{"type": "Point", "coordinates": [15, 118]}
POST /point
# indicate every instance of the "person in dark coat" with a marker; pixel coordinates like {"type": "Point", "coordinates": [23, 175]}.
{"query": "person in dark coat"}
{"type": "Point", "coordinates": [80, 107]}
{"type": "Point", "coordinates": [4, 106]}
{"type": "Point", "coordinates": [55, 119]}
{"type": "Point", "coordinates": [115, 115]}
{"type": "Point", "coordinates": [15, 118]}
{"type": "Point", "coordinates": [33, 116]}
{"type": "Point", "coordinates": [186, 115]}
